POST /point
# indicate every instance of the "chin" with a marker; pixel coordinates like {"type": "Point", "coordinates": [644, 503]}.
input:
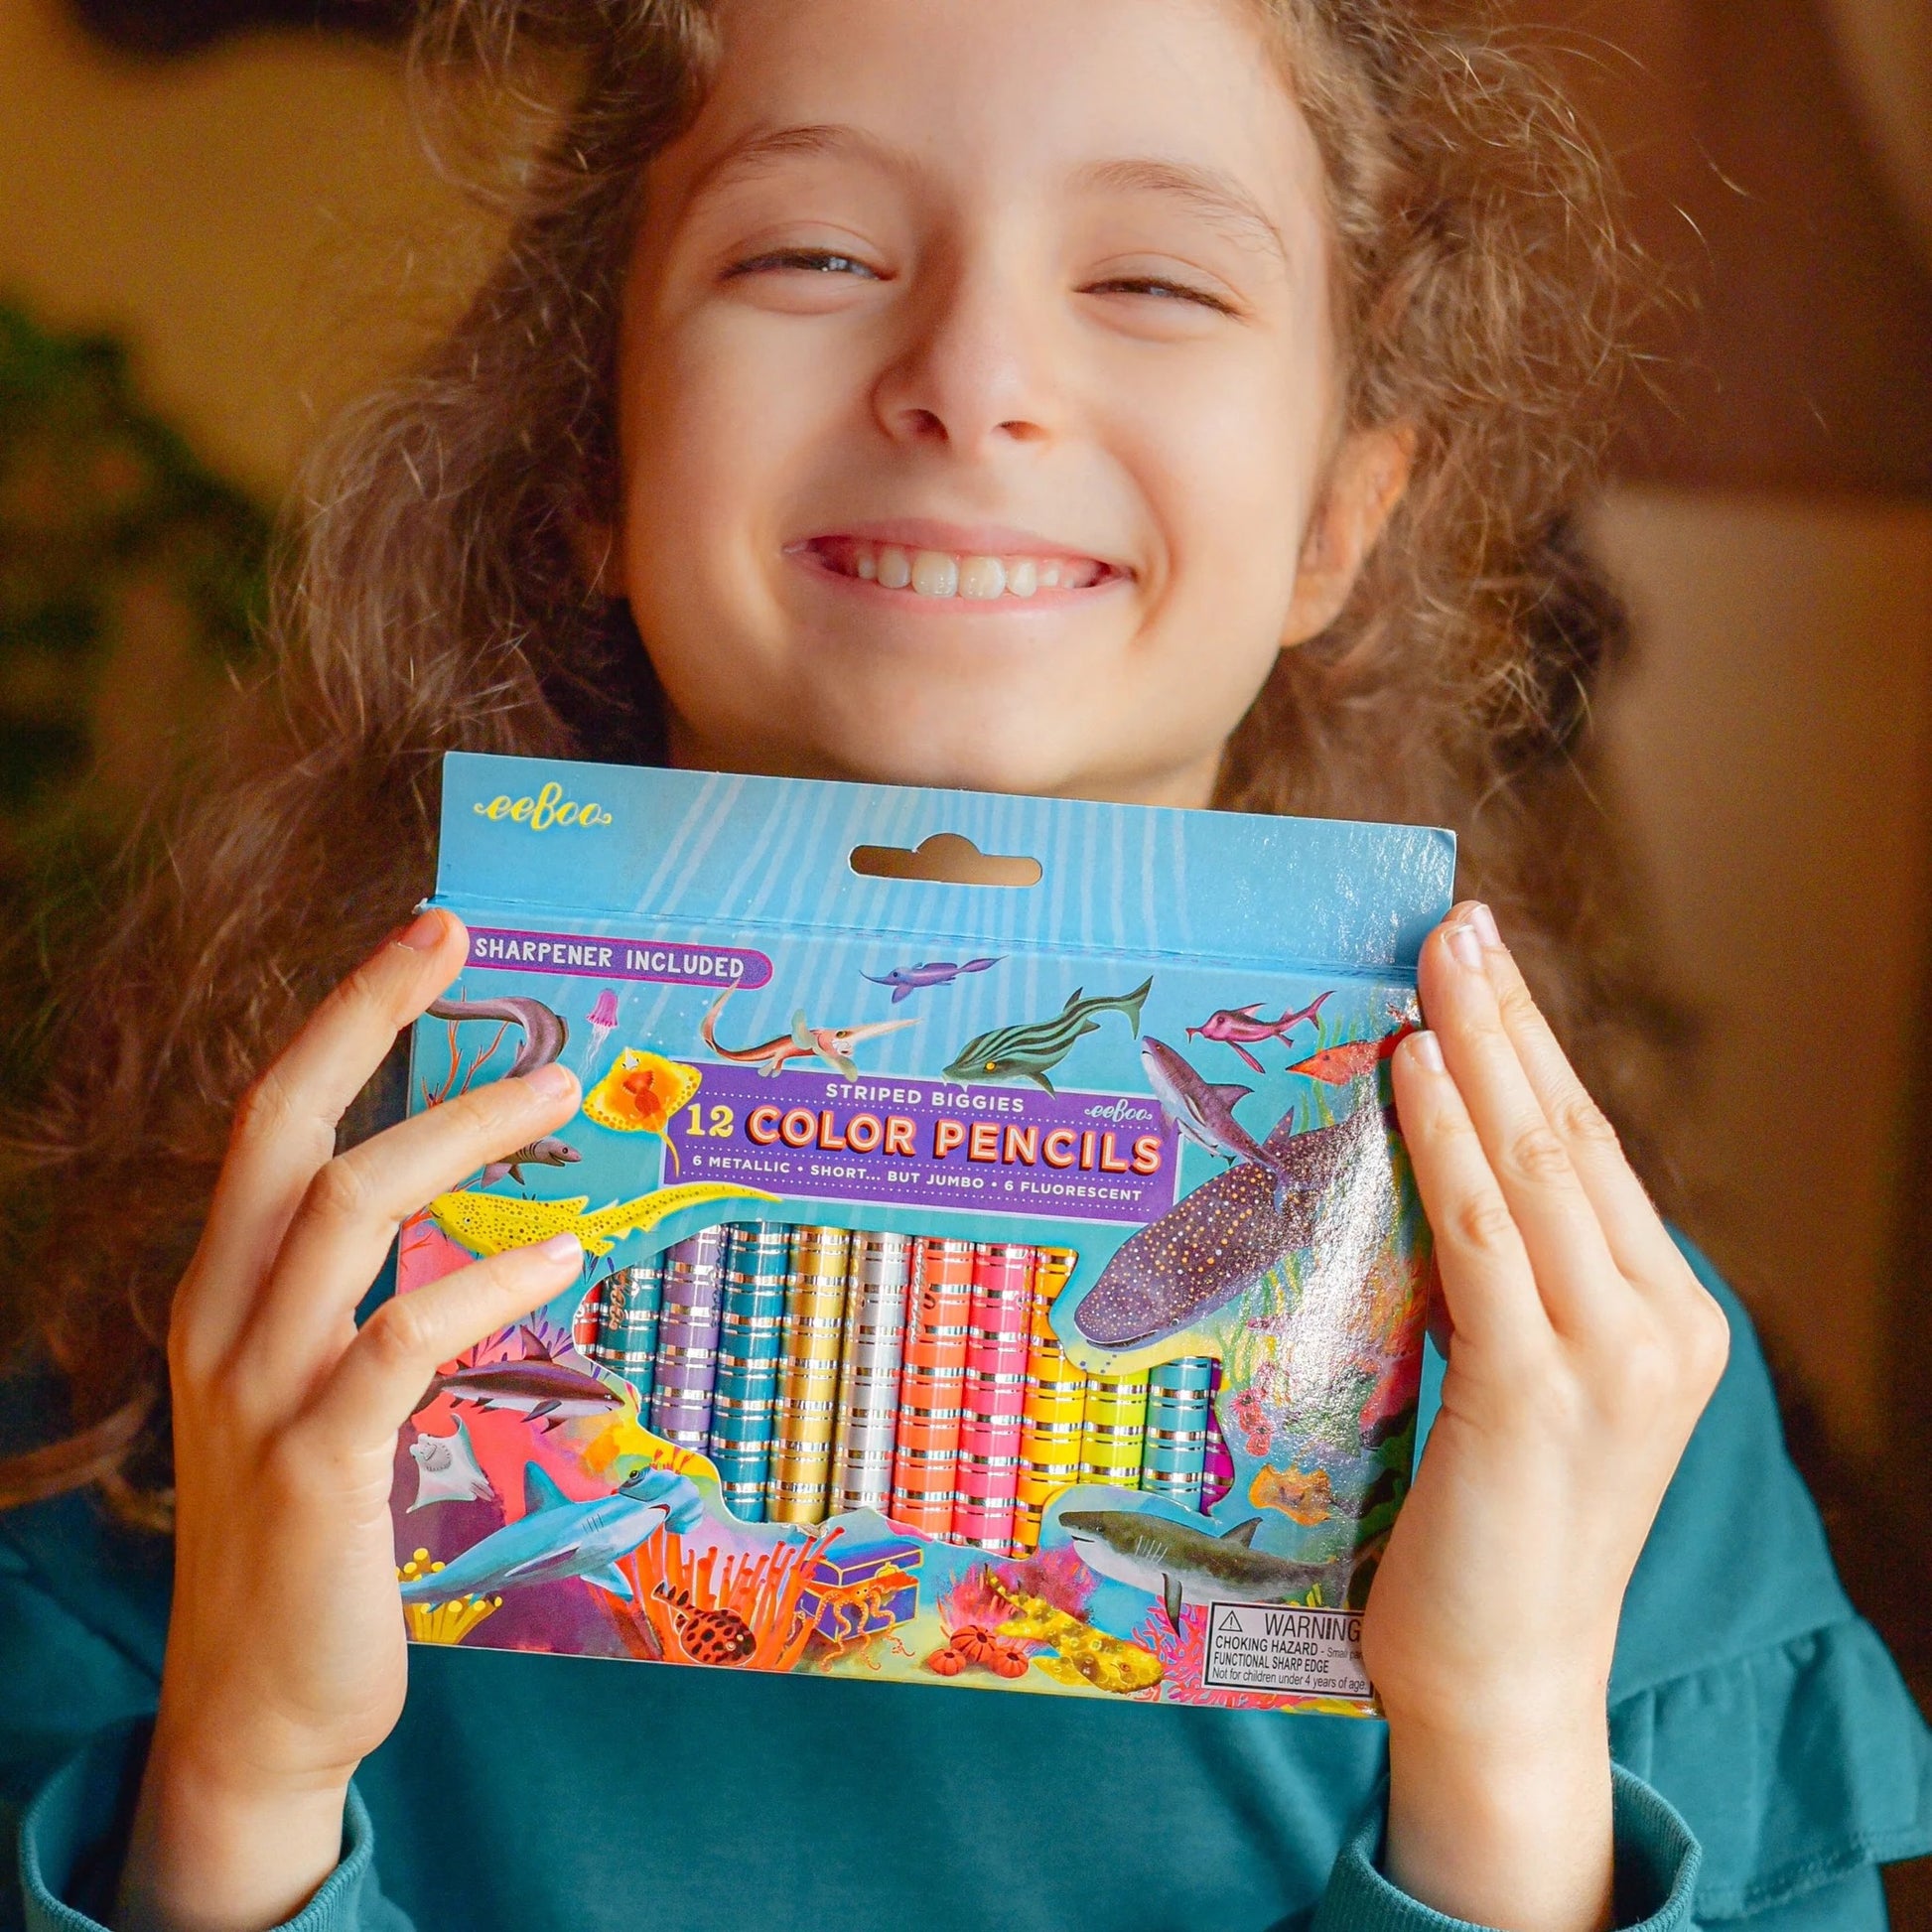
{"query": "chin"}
{"type": "Point", "coordinates": [988, 758]}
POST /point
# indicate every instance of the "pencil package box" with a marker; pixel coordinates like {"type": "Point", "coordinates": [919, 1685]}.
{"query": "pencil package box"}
{"type": "Point", "coordinates": [1001, 1267]}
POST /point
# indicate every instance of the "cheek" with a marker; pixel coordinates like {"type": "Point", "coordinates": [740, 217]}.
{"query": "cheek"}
{"type": "Point", "coordinates": [719, 423]}
{"type": "Point", "coordinates": [1234, 466]}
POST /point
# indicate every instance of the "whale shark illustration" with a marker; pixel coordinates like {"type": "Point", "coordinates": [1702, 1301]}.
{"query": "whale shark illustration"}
{"type": "Point", "coordinates": [556, 1538]}
{"type": "Point", "coordinates": [1220, 1240]}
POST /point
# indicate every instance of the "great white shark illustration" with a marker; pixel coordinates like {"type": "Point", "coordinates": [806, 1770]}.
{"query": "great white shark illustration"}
{"type": "Point", "coordinates": [1182, 1566]}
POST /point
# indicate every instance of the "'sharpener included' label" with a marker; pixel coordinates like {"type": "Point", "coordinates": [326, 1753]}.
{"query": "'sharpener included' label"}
{"type": "Point", "coordinates": [1284, 1648]}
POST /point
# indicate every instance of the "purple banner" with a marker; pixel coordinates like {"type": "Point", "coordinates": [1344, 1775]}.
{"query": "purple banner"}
{"type": "Point", "coordinates": [1090, 1156]}
{"type": "Point", "coordinates": [590, 957]}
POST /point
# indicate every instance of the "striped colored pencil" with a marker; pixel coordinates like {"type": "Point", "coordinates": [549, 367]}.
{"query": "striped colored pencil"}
{"type": "Point", "coordinates": [626, 1326]}
{"type": "Point", "coordinates": [1116, 1427]}
{"type": "Point", "coordinates": [1217, 1476]}
{"type": "Point", "coordinates": [808, 1379]}
{"type": "Point", "coordinates": [691, 1284]}
{"type": "Point", "coordinates": [1175, 1454]}
{"type": "Point", "coordinates": [751, 1340]}
{"type": "Point", "coordinates": [869, 1366]}
{"type": "Point", "coordinates": [1057, 1403]}
{"type": "Point", "coordinates": [931, 1388]}
{"type": "Point", "coordinates": [983, 1516]}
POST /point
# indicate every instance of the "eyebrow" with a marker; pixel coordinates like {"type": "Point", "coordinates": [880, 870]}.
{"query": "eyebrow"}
{"type": "Point", "coordinates": [1207, 190]}
{"type": "Point", "coordinates": [762, 149]}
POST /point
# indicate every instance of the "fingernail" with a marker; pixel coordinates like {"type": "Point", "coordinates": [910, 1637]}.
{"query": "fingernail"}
{"type": "Point", "coordinates": [1465, 948]}
{"type": "Point", "coordinates": [552, 1082]}
{"type": "Point", "coordinates": [561, 1248]}
{"type": "Point", "coordinates": [423, 932]}
{"type": "Point", "coordinates": [1427, 1050]}
{"type": "Point", "coordinates": [1485, 921]}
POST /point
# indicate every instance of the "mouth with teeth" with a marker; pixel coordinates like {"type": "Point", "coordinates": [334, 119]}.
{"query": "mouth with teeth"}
{"type": "Point", "coordinates": [939, 575]}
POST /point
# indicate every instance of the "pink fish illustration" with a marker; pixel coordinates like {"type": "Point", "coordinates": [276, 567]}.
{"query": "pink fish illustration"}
{"type": "Point", "coordinates": [1240, 1026]}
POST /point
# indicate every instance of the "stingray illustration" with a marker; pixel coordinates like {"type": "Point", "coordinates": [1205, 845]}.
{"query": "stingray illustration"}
{"type": "Point", "coordinates": [1225, 1237]}
{"type": "Point", "coordinates": [448, 1471]}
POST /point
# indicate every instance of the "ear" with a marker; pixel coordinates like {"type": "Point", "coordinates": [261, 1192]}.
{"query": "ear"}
{"type": "Point", "coordinates": [1365, 482]}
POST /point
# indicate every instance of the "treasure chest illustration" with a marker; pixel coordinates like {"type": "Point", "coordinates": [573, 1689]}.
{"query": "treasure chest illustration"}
{"type": "Point", "coordinates": [859, 1589]}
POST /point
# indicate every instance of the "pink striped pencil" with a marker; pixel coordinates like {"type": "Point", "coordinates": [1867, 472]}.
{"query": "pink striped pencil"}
{"type": "Point", "coordinates": [985, 1512]}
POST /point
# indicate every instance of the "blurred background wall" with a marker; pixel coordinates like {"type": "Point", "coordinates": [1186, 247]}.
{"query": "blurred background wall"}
{"type": "Point", "coordinates": [250, 214]}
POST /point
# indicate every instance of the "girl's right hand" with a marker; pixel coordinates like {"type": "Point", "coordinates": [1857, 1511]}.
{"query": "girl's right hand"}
{"type": "Point", "coordinates": [286, 1662]}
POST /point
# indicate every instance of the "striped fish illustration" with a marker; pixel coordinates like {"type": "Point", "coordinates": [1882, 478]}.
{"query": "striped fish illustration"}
{"type": "Point", "coordinates": [1030, 1052]}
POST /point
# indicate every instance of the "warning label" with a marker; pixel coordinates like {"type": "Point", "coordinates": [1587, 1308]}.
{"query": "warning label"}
{"type": "Point", "coordinates": [1281, 1647]}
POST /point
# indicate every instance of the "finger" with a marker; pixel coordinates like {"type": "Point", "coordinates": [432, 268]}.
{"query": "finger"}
{"type": "Point", "coordinates": [285, 1127]}
{"type": "Point", "coordinates": [354, 1209]}
{"type": "Point", "coordinates": [383, 1374]}
{"type": "Point", "coordinates": [1631, 1225]}
{"type": "Point", "coordinates": [1569, 1255]}
{"type": "Point", "coordinates": [1487, 1286]}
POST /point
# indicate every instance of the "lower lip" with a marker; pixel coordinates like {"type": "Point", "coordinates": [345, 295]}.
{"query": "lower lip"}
{"type": "Point", "coordinates": [1004, 606]}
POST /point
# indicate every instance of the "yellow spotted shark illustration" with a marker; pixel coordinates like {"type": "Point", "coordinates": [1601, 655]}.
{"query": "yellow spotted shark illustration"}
{"type": "Point", "coordinates": [487, 1224]}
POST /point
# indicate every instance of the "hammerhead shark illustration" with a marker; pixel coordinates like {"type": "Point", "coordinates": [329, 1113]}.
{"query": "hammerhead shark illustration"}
{"type": "Point", "coordinates": [832, 1044]}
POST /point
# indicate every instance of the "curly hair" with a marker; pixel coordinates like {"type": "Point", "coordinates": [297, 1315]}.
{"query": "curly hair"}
{"type": "Point", "coordinates": [432, 600]}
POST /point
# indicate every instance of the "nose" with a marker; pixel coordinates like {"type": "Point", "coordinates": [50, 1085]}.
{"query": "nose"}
{"type": "Point", "coordinates": [972, 372]}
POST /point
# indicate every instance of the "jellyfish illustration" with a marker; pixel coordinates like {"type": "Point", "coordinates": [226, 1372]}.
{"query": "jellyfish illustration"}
{"type": "Point", "coordinates": [604, 1022]}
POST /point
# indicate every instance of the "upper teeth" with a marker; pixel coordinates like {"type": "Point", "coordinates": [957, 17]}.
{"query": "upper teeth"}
{"type": "Point", "coordinates": [940, 573]}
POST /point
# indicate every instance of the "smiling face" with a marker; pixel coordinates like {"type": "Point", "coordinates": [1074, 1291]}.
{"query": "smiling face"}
{"type": "Point", "coordinates": [979, 397]}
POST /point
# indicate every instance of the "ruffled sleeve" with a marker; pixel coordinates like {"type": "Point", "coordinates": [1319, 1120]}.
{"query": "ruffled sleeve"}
{"type": "Point", "coordinates": [1748, 1692]}
{"type": "Point", "coordinates": [1793, 1766]}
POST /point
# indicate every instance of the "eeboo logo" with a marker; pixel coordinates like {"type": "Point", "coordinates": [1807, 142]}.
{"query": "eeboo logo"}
{"type": "Point", "coordinates": [548, 808]}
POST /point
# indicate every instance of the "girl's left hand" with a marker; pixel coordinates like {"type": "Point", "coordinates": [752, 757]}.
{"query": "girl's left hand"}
{"type": "Point", "coordinates": [1582, 1352]}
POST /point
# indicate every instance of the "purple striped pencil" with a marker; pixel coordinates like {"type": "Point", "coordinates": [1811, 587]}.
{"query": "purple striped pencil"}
{"type": "Point", "coordinates": [687, 1340]}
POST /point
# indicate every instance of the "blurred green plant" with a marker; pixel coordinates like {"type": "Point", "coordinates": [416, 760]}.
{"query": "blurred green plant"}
{"type": "Point", "coordinates": [132, 581]}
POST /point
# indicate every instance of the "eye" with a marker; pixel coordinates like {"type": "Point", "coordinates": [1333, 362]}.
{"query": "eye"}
{"type": "Point", "coordinates": [1161, 290]}
{"type": "Point", "coordinates": [809, 261]}
{"type": "Point", "coordinates": [992, 1066]}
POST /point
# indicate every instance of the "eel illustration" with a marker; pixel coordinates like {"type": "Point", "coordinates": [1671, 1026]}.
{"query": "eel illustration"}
{"type": "Point", "coordinates": [544, 1033]}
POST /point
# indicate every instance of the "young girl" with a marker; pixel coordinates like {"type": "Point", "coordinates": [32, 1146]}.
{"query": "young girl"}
{"type": "Point", "coordinates": [1158, 400]}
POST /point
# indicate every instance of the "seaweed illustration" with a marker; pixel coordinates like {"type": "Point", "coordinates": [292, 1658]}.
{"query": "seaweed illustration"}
{"type": "Point", "coordinates": [458, 1080]}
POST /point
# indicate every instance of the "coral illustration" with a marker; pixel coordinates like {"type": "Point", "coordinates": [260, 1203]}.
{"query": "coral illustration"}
{"type": "Point", "coordinates": [761, 1593]}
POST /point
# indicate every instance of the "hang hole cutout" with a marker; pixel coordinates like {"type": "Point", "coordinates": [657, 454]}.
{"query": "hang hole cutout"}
{"type": "Point", "coordinates": [945, 859]}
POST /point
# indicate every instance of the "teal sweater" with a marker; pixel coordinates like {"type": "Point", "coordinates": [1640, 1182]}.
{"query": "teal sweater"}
{"type": "Point", "coordinates": [1768, 1757]}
